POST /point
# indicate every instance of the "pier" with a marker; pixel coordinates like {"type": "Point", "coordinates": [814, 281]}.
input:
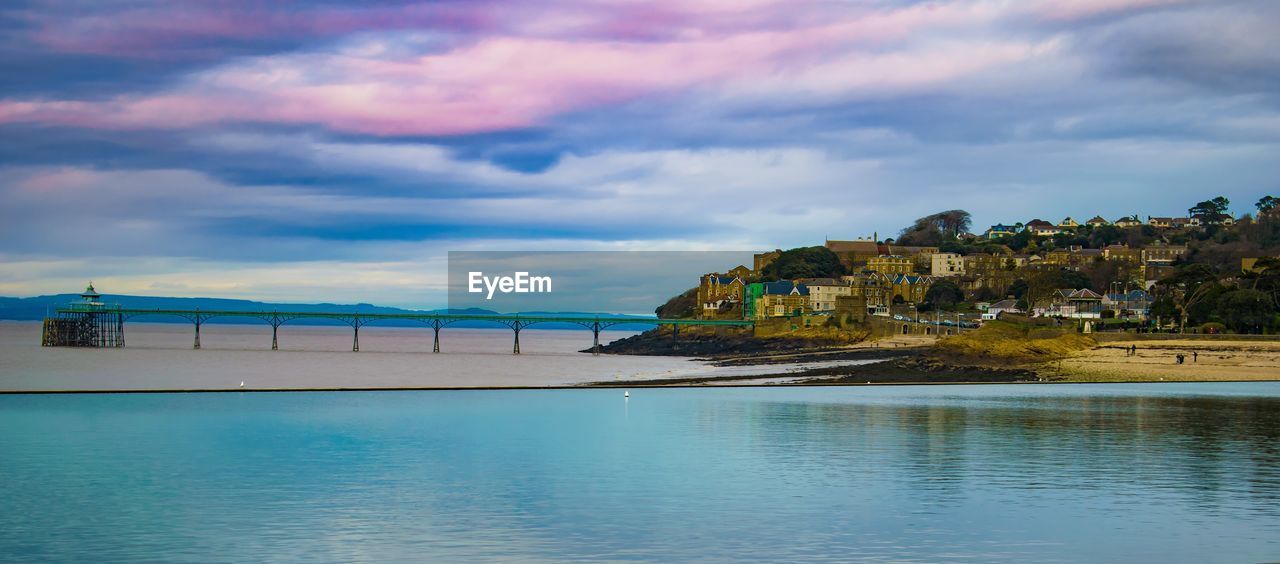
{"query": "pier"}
{"type": "Point", "coordinates": [93, 324]}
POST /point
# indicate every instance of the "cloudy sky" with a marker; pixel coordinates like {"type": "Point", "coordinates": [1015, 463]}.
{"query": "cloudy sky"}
{"type": "Point", "coordinates": [336, 150]}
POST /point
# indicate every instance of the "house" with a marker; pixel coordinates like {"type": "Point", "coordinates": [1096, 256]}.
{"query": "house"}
{"type": "Point", "coordinates": [920, 256]}
{"type": "Point", "coordinates": [1001, 230]}
{"type": "Point", "coordinates": [1003, 306]}
{"type": "Point", "coordinates": [1127, 222]}
{"type": "Point", "coordinates": [892, 264]}
{"type": "Point", "coordinates": [1072, 256]}
{"type": "Point", "coordinates": [1097, 221]}
{"type": "Point", "coordinates": [857, 252]}
{"type": "Point", "coordinates": [1042, 228]}
{"type": "Point", "coordinates": [1205, 219]}
{"type": "Point", "coordinates": [874, 288]}
{"type": "Point", "coordinates": [911, 288]}
{"type": "Point", "coordinates": [1128, 305]}
{"type": "Point", "coordinates": [946, 264]}
{"type": "Point", "coordinates": [986, 263]}
{"type": "Point", "coordinates": [1160, 222]}
{"type": "Point", "coordinates": [1181, 222]}
{"type": "Point", "coordinates": [1076, 304]}
{"type": "Point", "coordinates": [1163, 255]}
{"type": "Point", "coordinates": [1122, 252]}
{"type": "Point", "coordinates": [720, 295]}
{"type": "Point", "coordinates": [1152, 273]}
{"type": "Point", "coordinates": [777, 299]}
{"type": "Point", "coordinates": [824, 291]}
{"type": "Point", "coordinates": [1068, 223]}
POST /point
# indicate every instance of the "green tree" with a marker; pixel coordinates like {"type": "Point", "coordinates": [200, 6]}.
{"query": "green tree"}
{"type": "Point", "coordinates": [943, 294]}
{"type": "Point", "coordinates": [1189, 287]}
{"type": "Point", "coordinates": [1163, 308]}
{"type": "Point", "coordinates": [804, 262]}
{"type": "Point", "coordinates": [933, 230]}
{"type": "Point", "coordinates": [1246, 311]}
{"type": "Point", "coordinates": [679, 307]}
{"type": "Point", "coordinates": [1072, 279]}
{"type": "Point", "coordinates": [1018, 288]}
{"type": "Point", "coordinates": [1266, 204]}
{"type": "Point", "coordinates": [1214, 210]}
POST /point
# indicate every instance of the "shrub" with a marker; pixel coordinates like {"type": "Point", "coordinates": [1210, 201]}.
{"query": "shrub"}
{"type": "Point", "coordinates": [1213, 328]}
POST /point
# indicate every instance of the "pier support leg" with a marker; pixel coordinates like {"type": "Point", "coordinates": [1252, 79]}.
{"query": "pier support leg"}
{"type": "Point", "coordinates": [516, 348]}
{"type": "Point", "coordinates": [196, 344]}
{"type": "Point", "coordinates": [275, 343]}
{"type": "Point", "coordinates": [435, 343]}
{"type": "Point", "coordinates": [595, 339]}
{"type": "Point", "coordinates": [675, 337]}
{"type": "Point", "coordinates": [355, 339]}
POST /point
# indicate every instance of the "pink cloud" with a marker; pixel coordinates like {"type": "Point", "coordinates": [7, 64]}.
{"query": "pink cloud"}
{"type": "Point", "coordinates": [514, 81]}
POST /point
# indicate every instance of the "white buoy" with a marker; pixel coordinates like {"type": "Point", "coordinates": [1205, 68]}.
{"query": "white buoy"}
{"type": "Point", "coordinates": [626, 394]}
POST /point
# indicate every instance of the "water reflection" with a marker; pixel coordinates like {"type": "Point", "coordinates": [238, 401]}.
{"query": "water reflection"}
{"type": "Point", "coordinates": [1186, 472]}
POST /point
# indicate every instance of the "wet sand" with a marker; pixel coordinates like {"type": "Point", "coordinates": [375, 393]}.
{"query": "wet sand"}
{"type": "Point", "coordinates": [1156, 360]}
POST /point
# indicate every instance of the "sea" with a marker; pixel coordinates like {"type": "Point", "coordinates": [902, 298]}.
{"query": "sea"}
{"type": "Point", "coordinates": [1161, 472]}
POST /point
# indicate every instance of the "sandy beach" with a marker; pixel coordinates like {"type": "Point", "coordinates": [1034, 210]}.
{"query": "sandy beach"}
{"type": "Point", "coordinates": [1157, 360]}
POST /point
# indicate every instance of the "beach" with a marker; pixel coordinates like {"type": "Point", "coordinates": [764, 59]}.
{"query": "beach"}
{"type": "Point", "coordinates": [1156, 360]}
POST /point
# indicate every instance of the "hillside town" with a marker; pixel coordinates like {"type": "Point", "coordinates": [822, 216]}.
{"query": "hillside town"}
{"type": "Point", "coordinates": [1127, 272]}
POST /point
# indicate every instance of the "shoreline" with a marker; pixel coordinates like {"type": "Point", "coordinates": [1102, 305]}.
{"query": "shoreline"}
{"type": "Point", "coordinates": [1217, 359]}
{"type": "Point", "coordinates": [615, 387]}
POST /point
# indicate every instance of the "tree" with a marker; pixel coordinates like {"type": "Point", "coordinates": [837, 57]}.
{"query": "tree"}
{"type": "Point", "coordinates": [1102, 273]}
{"type": "Point", "coordinates": [1266, 204]}
{"type": "Point", "coordinates": [1267, 280]}
{"type": "Point", "coordinates": [681, 306]}
{"type": "Point", "coordinates": [933, 230]}
{"type": "Point", "coordinates": [1163, 308]}
{"type": "Point", "coordinates": [1246, 310]}
{"type": "Point", "coordinates": [1072, 279]}
{"type": "Point", "coordinates": [1214, 210]}
{"type": "Point", "coordinates": [1018, 288]}
{"type": "Point", "coordinates": [804, 262]}
{"type": "Point", "coordinates": [1040, 286]}
{"type": "Point", "coordinates": [1187, 288]}
{"type": "Point", "coordinates": [943, 294]}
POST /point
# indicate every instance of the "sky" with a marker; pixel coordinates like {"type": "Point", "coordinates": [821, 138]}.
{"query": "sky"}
{"type": "Point", "coordinates": [337, 150]}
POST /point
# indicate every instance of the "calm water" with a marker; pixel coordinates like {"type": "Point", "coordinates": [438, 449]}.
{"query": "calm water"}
{"type": "Point", "coordinates": [1161, 472]}
{"type": "Point", "coordinates": [159, 357]}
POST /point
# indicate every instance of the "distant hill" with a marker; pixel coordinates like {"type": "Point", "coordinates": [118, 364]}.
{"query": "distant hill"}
{"type": "Point", "coordinates": [35, 309]}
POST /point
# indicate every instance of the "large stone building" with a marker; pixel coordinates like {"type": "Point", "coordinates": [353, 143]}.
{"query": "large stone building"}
{"type": "Point", "coordinates": [857, 253]}
{"type": "Point", "coordinates": [720, 295]}
{"type": "Point", "coordinates": [824, 292]}
{"type": "Point", "coordinates": [776, 299]}
{"type": "Point", "coordinates": [871, 286]}
{"type": "Point", "coordinates": [1162, 255]}
{"type": "Point", "coordinates": [909, 287]}
{"type": "Point", "coordinates": [1122, 252]}
{"type": "Point", "coordinates": [892, 264]}
{"type": "Point", "coordinates": [946, 264]}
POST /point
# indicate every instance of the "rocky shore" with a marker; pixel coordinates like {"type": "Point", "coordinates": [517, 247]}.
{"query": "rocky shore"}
{"type": "Point", "coordinates": [999, 353]}
{"type": "Point", "coordinates": [815, 360]}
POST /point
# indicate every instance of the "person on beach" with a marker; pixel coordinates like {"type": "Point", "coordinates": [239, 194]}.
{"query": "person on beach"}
{"type": "Point", "coordinates": [1181, 358]}
{"type": "Point", "coordinates": [1195, 356]}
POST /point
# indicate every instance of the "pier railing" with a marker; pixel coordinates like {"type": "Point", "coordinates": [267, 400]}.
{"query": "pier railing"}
{"type": "Point", "coordinates": [435, 320]}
